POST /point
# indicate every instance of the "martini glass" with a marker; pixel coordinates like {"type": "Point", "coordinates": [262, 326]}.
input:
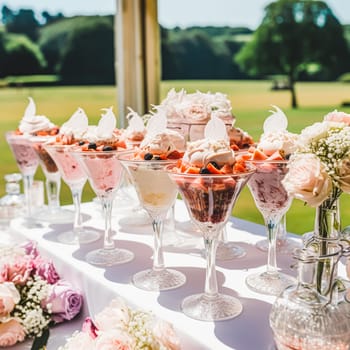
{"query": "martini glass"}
{"type": "Point", "coordinates": [54, 212]}
{"type": "Point", "coordinates": [156, 193]}
{"type": "Point", "coordinates": [75, 177]}
{"type": "Point", "coordinates": [209, 200]}
{"type": "Point", "coordinates": [273, 202]}
{"type": "Point", "coordinates": [105, 173]}
{"type": "Point", "coordinates": [27, 162]}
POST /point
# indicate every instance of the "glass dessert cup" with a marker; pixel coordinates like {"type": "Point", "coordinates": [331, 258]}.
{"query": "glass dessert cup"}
{"type": "Point", "coordinates": [75, 177]}
{"type": "Point", "coordinates": [209, 200]}
{"type": "Point", "coordinates": [104, 173]}
{"type": "Point", "coordinates": [284, 245]}
{"type": "Point", "coordinates": [27, 162]}
{"type": "Point", "coordinates": [53, 213]}
{"type": "Point", "coordinates": [273, 202]}
{"type": "Point", "coordinates": [156, 194]}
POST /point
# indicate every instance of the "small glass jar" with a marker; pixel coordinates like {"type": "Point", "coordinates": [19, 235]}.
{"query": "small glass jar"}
{"type": "Point", "coordinates": [303, 319]}
{"type": "Point", "coordinates": [12, 204]}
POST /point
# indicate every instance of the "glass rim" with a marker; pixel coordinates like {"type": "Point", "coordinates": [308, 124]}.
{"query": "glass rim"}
{"type": "Point", "coordinates": [169, 168]}
{"type": "Point", "coordinates": [272, 161]}
{"type": "Point", "coordinates": [99, 153]}
{"type": "Point", "coordinates": [151, 161]}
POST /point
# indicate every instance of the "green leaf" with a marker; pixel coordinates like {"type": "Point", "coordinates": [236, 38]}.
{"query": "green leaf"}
{"type": "Point", "coordinates": [39, 343]}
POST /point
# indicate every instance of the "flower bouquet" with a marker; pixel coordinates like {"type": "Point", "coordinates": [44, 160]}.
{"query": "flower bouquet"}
{"type": "Point", "coordinates": [33, 297]}
{"type": "Point", "coordinates": [121, 328]}
{"type": "Point", "coordinates": [319, 172]}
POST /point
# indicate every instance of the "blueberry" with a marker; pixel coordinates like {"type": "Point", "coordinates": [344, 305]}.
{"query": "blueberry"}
{"type": "Point", "coordinates": [107, 148]}
{"type": "Point", "coordinates": [157, 158]}
{"type": "Point", "coordinates": [204, 171]}
{"type": "Point", "coordinates": [81, 143]}
{"type": "Point", "coordinates": [92, 145]}
{"type": "Point", "coordinates": [148, 156]}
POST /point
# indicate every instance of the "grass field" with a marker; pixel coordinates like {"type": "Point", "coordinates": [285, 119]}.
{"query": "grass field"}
{"type": "Point", "coordinates": [251, 101]}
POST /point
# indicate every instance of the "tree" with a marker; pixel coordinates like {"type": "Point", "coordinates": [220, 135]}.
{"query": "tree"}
{"type": "Point", "coordinates": [15, 49]}
{"type": "Point", "coordinates": [293, 36]}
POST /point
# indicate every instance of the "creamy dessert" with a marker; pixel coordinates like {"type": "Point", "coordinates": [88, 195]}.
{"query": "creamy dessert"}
{"type": "Point", "coordinates": [210, 177]}
{"type": "Point", "coordinates": [98, 153]}
{"type": "Point", "coordinates": [189, 114]}
{"type": "Point", "coordinates": [271, 158]}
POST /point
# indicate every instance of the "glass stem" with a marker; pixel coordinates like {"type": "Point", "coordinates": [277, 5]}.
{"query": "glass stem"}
{"type": "Point", "coordinates": [78, 221]}
{"type": "Point", "coordinates": [158, 256]}
{"type": "Point", "coordinates": [282, 229]}
{"type": "Point", "coordinates": [28, 183]}
{"type": "Point", "coordinates": [107, 204]}
{"type": "Point", "coordinates": [272, 226]}
{"type": "Point", "coordinates": [211, 284]}
{"type": "Point", "coordinates": [53, 186]}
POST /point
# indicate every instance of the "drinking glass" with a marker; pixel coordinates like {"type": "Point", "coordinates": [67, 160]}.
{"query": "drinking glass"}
{"type": "Point", "coordinates": [54, 213]}
{"type": "Point", "coordinates": [104, 172]}
{"type": "Point", "coordinates": [273, 202]}
{"type": "Point", "coordinates": [75, 177]}
{"type": "Point", "coordinates": [156, 193]}
{"type": "Point", "coordinates": [209, 200]}
{"type": "Point", "coordinates": [27, 162]}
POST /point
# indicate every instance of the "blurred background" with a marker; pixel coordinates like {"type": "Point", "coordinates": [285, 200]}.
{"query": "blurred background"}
{"type": "Point", "coordinates": [290, 53]}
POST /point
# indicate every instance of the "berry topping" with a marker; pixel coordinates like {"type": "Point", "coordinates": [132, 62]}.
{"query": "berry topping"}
{"type": "Point", "coordinates": [92, 145]}
{"type": "Point", "coordinates": [107, 148]}
{"type": "Point", "coordinates": [148, 156]}
{"type": "Point", "coordinates": [204, 171]}
{"type": "Point", "coordinates": [81, 143]}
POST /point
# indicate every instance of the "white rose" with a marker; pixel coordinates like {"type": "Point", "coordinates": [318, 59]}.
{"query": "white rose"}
{"type": "Point", "coordinates": [307, 179]}
{"type": "Point", "coordinates": [9, 297]}
{"type": "Point", "coordinates": [165, 334]}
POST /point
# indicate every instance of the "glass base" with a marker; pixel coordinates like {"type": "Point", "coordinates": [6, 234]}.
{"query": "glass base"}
{"type": "Point", "coordinates": [83, 237]}
{"type": "Point", "coordinates": [270, 284]}
{"type": "Point", "coordinates": [109, 257]}
{"type": "Point", "coordinates": [156, 281]}
{"type": "Point", "coordinates": [228, 251]}
{"type": "Point", "coordinates": [218, 308]}
{"type": "Point", "coordinates": [283, 246]}
{"type": "Point", "coordinates": [57, 216]}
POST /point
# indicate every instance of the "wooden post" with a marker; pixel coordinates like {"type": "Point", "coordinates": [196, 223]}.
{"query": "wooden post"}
{"type": "Point", "coordinates": [137, 56]}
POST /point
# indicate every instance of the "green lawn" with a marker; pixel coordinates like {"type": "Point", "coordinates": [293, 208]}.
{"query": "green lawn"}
{"type": "Point", "coordinates": [251, 101]}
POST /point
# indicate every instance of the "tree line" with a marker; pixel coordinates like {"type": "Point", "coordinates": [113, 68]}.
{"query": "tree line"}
{"type": "Point", "coordinates": [299, 39]}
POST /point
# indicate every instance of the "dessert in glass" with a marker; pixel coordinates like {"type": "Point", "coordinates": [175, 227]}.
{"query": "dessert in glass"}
{"type": "Point", "coordinates": [72, 173]}
{"type": "Point", "coordinates": [26, 158]}
{"type": "Point", "coordinates": [98, 156]}
{"type": "Point", "coordinates": [156, 193]}
{"type": "Point", "coordinates": [277, 138]}
{"type": "Point", "coordinates": [189, 114]}
{"type": "Point", "coordinates": [271, 198]}
{"type": "Point", "coordinates": [210, 179]}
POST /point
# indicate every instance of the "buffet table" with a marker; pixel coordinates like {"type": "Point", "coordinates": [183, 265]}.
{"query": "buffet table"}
{"type": "Point", "coordinates": [250, 330]}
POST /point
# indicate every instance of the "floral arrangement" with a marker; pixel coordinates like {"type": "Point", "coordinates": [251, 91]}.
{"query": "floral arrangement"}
{"type": "Point", "coordinates": [320, 170]}
{"type": "Point", "coordinates": [32, 296]}
{"type": "Point", "coordinates": [119, 327]}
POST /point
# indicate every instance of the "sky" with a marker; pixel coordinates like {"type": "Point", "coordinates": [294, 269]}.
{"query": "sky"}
{"type": "Point", "coordinates": [182, 13]}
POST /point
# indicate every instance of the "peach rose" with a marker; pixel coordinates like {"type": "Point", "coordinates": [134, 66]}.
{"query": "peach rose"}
{"type": "Point", "coordinates": [80, 341]}
{"type": "Point", "coordinates": [11, 332]}
{"type": "Point", "coordinates": [19, 272]}
{"type": "Point", "coordinates": [114, 340]}
{"type": "Point", "coordinates": [165, 334]}
{"type": "Point", "coordinates": [307, 179]}
{"type": "Point", "coordinates": [9, 297]}
{"type": "Point", "coordinates": [344, 175]}
{"type": "Point", "coordinates": [339, 117]}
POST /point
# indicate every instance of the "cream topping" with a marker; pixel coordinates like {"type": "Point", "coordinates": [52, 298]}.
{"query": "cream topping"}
{"type": "Point", "coordinates": [32, 123]}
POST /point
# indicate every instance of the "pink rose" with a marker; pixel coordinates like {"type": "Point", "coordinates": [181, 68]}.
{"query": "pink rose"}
{"type": "Point", "coordinates": [64, 301]}
{"type": "Point", "coordinates": [339, 117]}
{"type": "Point", "coordinates": [19, 272]}
{"type": "Point", "coordinates": [165, 334]}
{"type": "Point", "coordinates": [80, 341]}
{"type": "Point", "coordinates": [90, 328]}
{"type": "Point", "coordinates": [11, 332]}
{"type": "Point", "coordinates": [31, 249]}
{"type": "Point", "coordinates": [307, 179]}
{"type": "Point", "coordinates": [114, 340]}
{"type": "Point", "coordinates": [9, 297]}
{"type": "Point", "coordinates": [47, 271]}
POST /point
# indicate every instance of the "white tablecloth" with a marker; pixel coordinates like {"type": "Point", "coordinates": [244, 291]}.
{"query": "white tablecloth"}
{"type": "Point", "coordinates": [248, 331]}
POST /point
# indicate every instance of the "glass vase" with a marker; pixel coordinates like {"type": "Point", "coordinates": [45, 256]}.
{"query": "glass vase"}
{"type": "Point", "coordinates": [301, 318]}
